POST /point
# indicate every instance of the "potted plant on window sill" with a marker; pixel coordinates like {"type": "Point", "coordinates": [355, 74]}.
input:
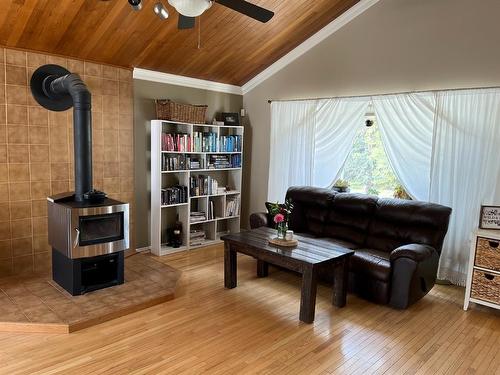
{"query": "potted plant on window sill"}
{"type": "Point", "coordinates": [341, 186]}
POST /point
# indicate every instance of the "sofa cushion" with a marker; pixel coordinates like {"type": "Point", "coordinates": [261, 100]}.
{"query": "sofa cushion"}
{"type": "Point", "coordinates": [349, 217]}
{"type": "Point", "coordinates": [372, 263]}
{"type": "Point", "coordinates": [401, 222]}
{"type": "Point", "coordinates": [339, 242]}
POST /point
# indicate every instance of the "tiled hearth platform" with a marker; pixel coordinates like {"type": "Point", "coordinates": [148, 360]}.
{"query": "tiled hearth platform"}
{"type": "Point", "coordinates": [35, 303]}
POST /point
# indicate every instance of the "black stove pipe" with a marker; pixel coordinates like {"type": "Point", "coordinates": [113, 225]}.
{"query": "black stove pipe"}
{"type": "Point", "coordinates": [82, 128]}
{"type": "Point", "coordinates": [56, 89]}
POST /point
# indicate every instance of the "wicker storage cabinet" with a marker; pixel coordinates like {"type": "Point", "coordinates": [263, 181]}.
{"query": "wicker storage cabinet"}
{"type": "Point", "coordinates": [172, 111]}
{"type": "Point", "coordinates": [483, 278]}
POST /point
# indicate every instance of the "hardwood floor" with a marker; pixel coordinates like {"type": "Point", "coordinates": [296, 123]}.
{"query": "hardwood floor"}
{"type": "Point", "coordinates": [254, 328]}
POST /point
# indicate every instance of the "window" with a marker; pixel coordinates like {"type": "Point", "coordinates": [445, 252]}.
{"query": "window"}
{"type": "Point", "coordinates": [367, 168]}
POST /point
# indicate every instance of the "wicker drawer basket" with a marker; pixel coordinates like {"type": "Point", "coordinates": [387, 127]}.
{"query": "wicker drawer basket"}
{"type": "Point", "coordinates": [486, 286]}
{"type": "Point", "coordinates": [172, 111]}
{"type": "Point", "coordinates": [488, 253]}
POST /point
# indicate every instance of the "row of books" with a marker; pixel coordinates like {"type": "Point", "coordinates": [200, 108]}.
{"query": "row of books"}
{"type": "Point", "coordinates": [203, 185]}
{"type": "Point", "coordinates": [232, 206]}
{"type": "Point", "coordinates": [224, 161]}
{"type": "Point", "coordinates": [178, 142]}
{"type": "Point", "coordinates": [230, 143]}
{"type": "Point", "coordinates": [205, 142]}
{"type": "Point", "coordinates": [197, 216]}
{"type": "Point", "coordinates": [200, 142]}
{"type": "Point", "coordinates": [174, 195]}
{"type": "Point", "coordinates": [196, 237]}
{"type": "Point", "coordinates": [181, 162]}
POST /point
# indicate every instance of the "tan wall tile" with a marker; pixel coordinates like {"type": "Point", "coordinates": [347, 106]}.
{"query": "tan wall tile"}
{"type": "Point", "coordinates": [3, 113]}
{"type": "Point", "coordinates": [39, 153]}
{"type": "Point", "coordinates": [40, 190]}
{"type": "Point", "coordinates": [59, 135]}
{"type": "Point", "coordinates": [18, 153]}
{"type": "Point", "coordinates": [5, 230]}
{"type": "Point", "coordinates": [39, 207]}
{"type": "Point", "coordinates": [93, 69]}
{"type": "Point", "coordinates": [109, 72]}
{"type": "Point", "coordinates": [111, 169]}
{"type": "Point", "coordinates": [40, 226]}
{"type": "Point", "coordinates": [59, 171]}
{"type": "Point", "coordinates": [109, 87]}
{"type": "Point", "coordinates": [3, 134]}
{"type": "Point", "coordinates": [3, 153]}
{"type": "Point", "coordinates": [16, 94]}
{"type": "Point", "coordinates": [15, 57]}
{"type": "Point", "coordinates": [36, 59]}
{"type": "Point", "coordinates": [20, 210]}
{"type": "Point", "coordinates": [38, 135]}
{"type": "Point", "coordinates": [4, 192]}
{"type": "Point", "coordinates": [38, 116]}
{"type": "Point", "coordinates": [75, 66]}
{"type": "Point", "coordinates": [61, 187]}
{"type": "Point", "coordinates": [125, 89]}
{"type": "Point", "coordinates": [16, 75]}
{"type": "Point", "coordinates": [4, 212]}
{"type": "Point", "coordinates": [40, 172]}
{"type": "Point", "coordinates": [23, 265]}
{"type": "Point", "coordinates": [17, 114]}
{"type": "Point", "coordinates": [59, 153]}
{"type": "Point", "coordinates": [21, 228]}
{"type": "Point", "coordinates": [41, 244]}
{"type": "Point", "coordinates": [4, 172]}
{"type": "Point", "coordinates": [110, 105]}
{"type": "Point", "coordinates": [125, 74]}
{"type": "Point", "coordinates": [42, 261]}
{"type": "Point", "coordinates": [22, 246]}
{"type": "Point", "coordinates": [19, 172]}
{"type": "Point", "coordinates": [6, 267]}
{"type": "Point", "coordinates": [17, 134]}
{"type": "Point", "coordinates": [19, 191]}
{"type": "Point", "coordinates": [5, 249]}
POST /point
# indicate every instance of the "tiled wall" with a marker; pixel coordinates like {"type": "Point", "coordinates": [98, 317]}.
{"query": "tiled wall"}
{"type": "Point", "coordinates": [36, 152]}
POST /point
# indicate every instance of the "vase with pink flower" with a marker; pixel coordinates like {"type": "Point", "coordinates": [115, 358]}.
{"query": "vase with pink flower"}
{"type": "Point", "coordinates": [281, 215]}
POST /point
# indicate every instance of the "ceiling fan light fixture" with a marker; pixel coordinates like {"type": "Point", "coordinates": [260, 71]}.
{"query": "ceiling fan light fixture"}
{"type": "Point", "coordinates": [190, 8]}
{"type": "Point", "coordinates": [135, 4]}
{"type": "Point", "coordinates": [160, 11]}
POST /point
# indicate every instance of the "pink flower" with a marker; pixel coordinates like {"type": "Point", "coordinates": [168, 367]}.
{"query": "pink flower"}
{"type": "Point", "coordinates": [279, 218]}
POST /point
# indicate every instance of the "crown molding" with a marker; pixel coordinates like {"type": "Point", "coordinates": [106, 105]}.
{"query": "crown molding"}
{"type": "Point", "coordinates": [305, 46]}
{"type": "Point", "coordinates": [172, 79]}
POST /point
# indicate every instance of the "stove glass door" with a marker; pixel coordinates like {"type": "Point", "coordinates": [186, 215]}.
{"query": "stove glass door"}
{"type": "Point", "coordinates": [97, 229]}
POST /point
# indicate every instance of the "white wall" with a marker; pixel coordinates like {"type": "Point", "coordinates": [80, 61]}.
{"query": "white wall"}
{"type": "Point", "coordinates": [395, 46]}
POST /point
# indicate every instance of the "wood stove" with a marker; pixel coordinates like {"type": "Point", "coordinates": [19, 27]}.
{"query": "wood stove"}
{"type": "Point", "coordinates": [88, 232]}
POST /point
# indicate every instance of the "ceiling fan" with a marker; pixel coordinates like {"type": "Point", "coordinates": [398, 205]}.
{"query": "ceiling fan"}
{"type": "Point", "coordinates": [190, 9]}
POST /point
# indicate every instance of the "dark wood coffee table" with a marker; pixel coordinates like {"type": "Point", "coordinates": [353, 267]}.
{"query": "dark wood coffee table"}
{"type": "Point", "coordinates": [307, 258]}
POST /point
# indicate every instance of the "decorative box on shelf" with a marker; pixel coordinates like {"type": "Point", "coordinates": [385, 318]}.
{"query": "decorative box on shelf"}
{"type": "Point", "coordinates": [483, 277]}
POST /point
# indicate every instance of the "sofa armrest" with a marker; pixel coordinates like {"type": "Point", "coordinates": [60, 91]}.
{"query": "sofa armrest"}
{"type": "Point", "coordinates": [414, 271]}
{"type": "Point", "coordinates": [258, 219]}
{"type": "Point", "coordinates": [415, 252]}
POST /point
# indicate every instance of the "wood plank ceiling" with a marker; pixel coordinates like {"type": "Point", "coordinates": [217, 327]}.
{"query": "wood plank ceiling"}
{"type": "Point", "coordinates": [234, 48]}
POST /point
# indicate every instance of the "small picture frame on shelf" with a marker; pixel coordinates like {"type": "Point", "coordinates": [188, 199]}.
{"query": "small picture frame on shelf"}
{"type": "Point", "coordinates": [489, 217]}
{"type": "Point", "coordinates": [230, 119]}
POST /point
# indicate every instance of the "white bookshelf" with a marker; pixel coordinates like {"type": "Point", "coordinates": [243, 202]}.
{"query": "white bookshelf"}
{"type": "Point", "coordinates": [164, 216]}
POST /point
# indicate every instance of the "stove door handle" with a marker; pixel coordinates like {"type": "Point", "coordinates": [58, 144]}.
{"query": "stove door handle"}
{"type": "Point", "coordinates": [77, 238]}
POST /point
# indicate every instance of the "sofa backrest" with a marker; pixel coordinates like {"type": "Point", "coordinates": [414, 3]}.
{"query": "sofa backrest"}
{"type": "Point", "coordinates": [311, 207]}
{"type": "Point", "coordinates": [349, 217]}
{"type": "Point", "coordinates": [398, 222]}
{"type": "Point", "coordinates": [367, 221]}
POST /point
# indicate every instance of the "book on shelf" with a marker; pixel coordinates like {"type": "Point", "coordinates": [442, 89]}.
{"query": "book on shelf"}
{"type": "Point", "coordinates": [197, 216]}
{"type": "Point", "coordinates": [174, 195]}
{"type": "Point", "coordinates": [224, 161]}
{"type": "Point", "coordinates": [230, 143]}
{"type": "Point", "coordinates": [176, 142]}
{"type": "Point", "coordinates": [232, 206]}
{"type": "Point", "coordinates": [202, 185]}
{"type": "Point", "coordinates": [196, 237]}
{"type": "Point", "coordinates": [205, 142]}
{"type": "Point", "coordinates": [211, 213]}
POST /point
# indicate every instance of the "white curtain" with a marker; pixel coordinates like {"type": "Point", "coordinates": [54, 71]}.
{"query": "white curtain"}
{"type": "Point", "coordinates": [406, 123]}
{"type": "Point", "coordinates": [310, 141]}
{"type": "Point", "coordinates": [338, 122]}
{"type": "Point", "coordinates": [465, 169]}
{"type": "Point", "coordinates": [292, 146]}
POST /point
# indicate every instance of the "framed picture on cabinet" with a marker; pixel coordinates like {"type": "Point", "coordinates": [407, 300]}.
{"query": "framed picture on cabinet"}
{"type": "Point", "coordinates": [490, 217]}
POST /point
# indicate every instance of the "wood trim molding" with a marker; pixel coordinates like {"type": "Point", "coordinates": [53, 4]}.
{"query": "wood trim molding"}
{"type": "Point", "coordinates": [151, 75]}
{"type": "Point", "coordinates": [314, 40]}
{"type": "Point", "coordinates": [332, 27]}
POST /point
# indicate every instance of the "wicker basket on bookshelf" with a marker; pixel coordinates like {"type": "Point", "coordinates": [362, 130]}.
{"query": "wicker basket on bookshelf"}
{"type": "Point", "coordinates": [486, 286]}
{"type": "Point", "coordinates": [172, 111]}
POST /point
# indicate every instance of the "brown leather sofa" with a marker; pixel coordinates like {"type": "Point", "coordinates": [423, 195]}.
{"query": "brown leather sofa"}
{"type": "Point", "coordinates": [397, 243]}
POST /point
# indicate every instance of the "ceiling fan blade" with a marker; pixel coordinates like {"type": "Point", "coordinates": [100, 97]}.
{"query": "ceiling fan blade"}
{"type": "Point", "coordinates": [248, 9]}
{"type": "Point", "coordinates": [185, 22]}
